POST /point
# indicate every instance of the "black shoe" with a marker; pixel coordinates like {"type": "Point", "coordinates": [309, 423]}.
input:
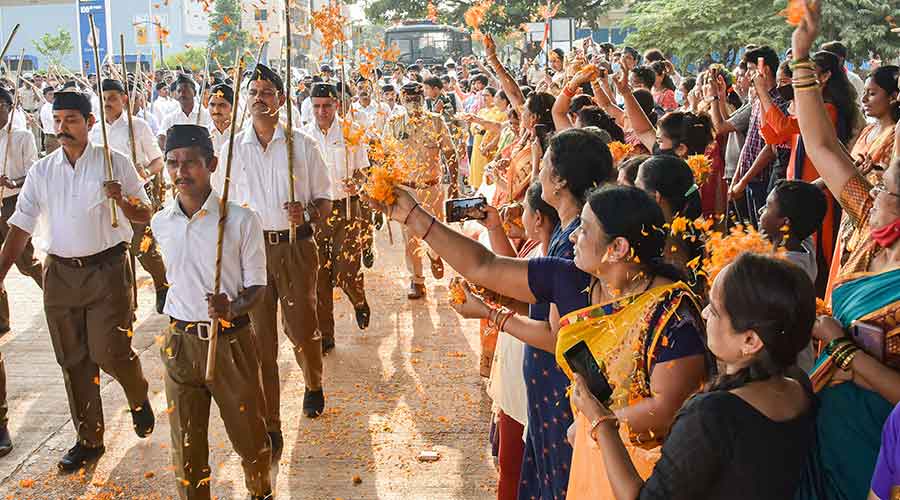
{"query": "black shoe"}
{"type": "Point", "coordinates": [313, 403]}
{"type": "Point", "coordinates": [416, 291]}
{"type": "Point", "coordinates": [362, 316]}
{"type": "Point", "coordinates": [4, 331]}
{"type": "Point", "coordinates": [143, 419]}
{"type": "Point", "coordinates": [379, 221]}
{"type": "Point", "coordinates": [79, 456]}
{"type": "Point", "coordinates": [368, 258]}
{"type": "Point", "coordinates": [277, 440]}
{"type": "Point", "coordinates": [327, 345]}
{"type": "Point", "coordinates": [262, 497]}
{"type": "Point", "coordinates": [5, 441]}
{"type": "Point", "coordinates": [161, 298]}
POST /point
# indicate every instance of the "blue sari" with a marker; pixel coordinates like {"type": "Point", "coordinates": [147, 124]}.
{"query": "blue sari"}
{"type": "Point", "coordinates": [850, 418]}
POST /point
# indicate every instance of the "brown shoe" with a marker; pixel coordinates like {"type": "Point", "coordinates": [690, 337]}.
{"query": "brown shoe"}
{"type": "Point", "coordinates": [416, 291]}
{"type": "Point", "coordinates": [437, 267]}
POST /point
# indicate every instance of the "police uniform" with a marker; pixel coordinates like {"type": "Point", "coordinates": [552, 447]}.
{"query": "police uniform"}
{"type": "Point", "coordinates": [339, 237]}
{"type": "Point", "coordinates": [189, 247]}
{"type": "Point", "coordinates": [18, 152]}
{"type": "Point", "coordinates": [143, 246]}
{"type": "Point", "coordinates": [259, 178]}
{"type": "Point", "coordinates": [87, 279]}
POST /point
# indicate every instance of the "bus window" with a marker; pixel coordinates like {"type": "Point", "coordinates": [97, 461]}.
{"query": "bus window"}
{"type": "Point", "coordinates": [405, 47]}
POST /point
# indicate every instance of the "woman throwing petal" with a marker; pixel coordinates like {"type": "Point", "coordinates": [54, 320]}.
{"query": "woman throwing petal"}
{"type": "Point", "coordinates": [857, 390]}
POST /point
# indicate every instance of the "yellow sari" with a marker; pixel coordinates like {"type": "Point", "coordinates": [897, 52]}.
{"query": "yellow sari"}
{"type": "Point", "coordinates": [623, 335]}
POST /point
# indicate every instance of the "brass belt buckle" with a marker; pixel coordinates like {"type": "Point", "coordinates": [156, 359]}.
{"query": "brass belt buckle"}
{"type": "Point", "coordinates": [274, 237]}
{"type": "Point", "coordinates": [203, 331]}
{"type": "Point", "coordinates": [78, 262]}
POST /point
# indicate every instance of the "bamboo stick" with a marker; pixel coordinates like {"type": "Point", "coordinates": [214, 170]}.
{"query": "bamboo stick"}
{"type": "Point", "coordinates": [223, 214]}
{"type": "Point", "coordinates": [113, 212]}
{"type": "Point", "coordinates": [10, 120]}
{"type": "Point", "coordinates": [289, 133]}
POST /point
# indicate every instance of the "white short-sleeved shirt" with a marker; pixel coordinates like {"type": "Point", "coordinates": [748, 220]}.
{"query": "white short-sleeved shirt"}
{"type": "Point", "coordinates": [334, 152]}
{"type": "Point", "coordinates": [218, 138]}
{"type": "Point", "coordinates": [163, 106]}
{"type": "Point", "coordinates": [120, 140]}
{"type": "Point", "coordinates": [72, 204]}
{"type": "Point", "coordinates": [178, 117]}
{"type": "Point", "coordinates": [306, 111]}
{"type": "Point", "coordinates": [373, 116]}
{"type": "Point", "coordinates": [259, 177]}
{"type": "Point", "coordinates": [188, 247]}
{"type": "Point", "coordinates": [48, 126]}
{"type": "Point", "coordinates": [20, 158]}
{"type": "Point", "coordinates": [19, 122]}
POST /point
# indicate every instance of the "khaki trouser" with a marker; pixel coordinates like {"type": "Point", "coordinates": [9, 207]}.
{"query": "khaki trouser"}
{"type": "Point", "coordinates": [51, 143]}
{"type": "Point", "coordinates": [26, 263]}
{"type": "Point", "coordinates": [237, 391]}
{"type": "Point", "coordinates": [89, 315]}
{"type": "Point", "coordinates": [340, 242]}
{"type": "Point", "coordinates": [432, 199]}
{"type": "Point", "coordinates": [150, 259]}
{"type": "Point", "coordinates": [292, 273]}
{"type": "Point", "coordinates": [4, 409]}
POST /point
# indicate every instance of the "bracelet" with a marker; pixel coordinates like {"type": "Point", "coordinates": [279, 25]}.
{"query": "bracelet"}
{"type": "Point", "coordinates": [802, 82]}
{"type": "Point", "coordinates": [841, 350]}
{"type": "Point", "coordinates": [845, 363]}
{"type": "Point", "coordinates": [569, 92]}
{"type": "Point", "coordinates": [830, 348]}
{"type": "Point", "coordinates": [504, 318]}
{"type": "Point", "coordinates": [808, 87]}
{"type": "Point", "coordinates": [409, 214]}
{"type": "Point", "coordinates": [804, 64]}
{"type": "Point", "coordinates": [433, 220]}
{"type": "Point", "coordinates": [597, 421]}
{"type": "Point", "coordinates": [840, 356]}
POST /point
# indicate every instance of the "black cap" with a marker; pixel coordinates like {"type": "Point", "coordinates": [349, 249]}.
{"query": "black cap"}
{"type": "Point", "coordinates": [160, 85]}
{"type": "Point", "coordinates": [326, 68]}
{"type": "Point", "coordinates": [388, 88]}
{"type": "Point", "coordinates": [346, 91]}
{"type": "Point", "coordinates": [187, 136]}
{"type": "Point", "coordinates": [48, 89]}
{"type": "Point", "coordinates": [5, 96]}
{"type": "Point", "coordinates": [324, 90]}
{"type": "Point", "coordinates": [263, 72]}
{"type": "Point", "coordinates": [184, 79]}
{"type": "Point", "coordinates": [412, 88]}
{"type": "Point", "coordinates": [223, 91]}
{"type": "Point", "coordinates": [110, 84]}
{"type": "Point", "coordinates": [79, 101]}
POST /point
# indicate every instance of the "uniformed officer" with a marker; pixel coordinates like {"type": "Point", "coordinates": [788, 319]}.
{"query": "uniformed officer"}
{"type": "Point", "coordinates": [87, 280]}
{"type": "Point", "coordinates": [340, 238]}
{"type": "Point", "coordinates": [220, 98]}
{"type": "Point", "coordinates": [260, 179]}
{"type": "Point", "coordinates": [18, 152]}
{"type": "Point", "coordinates": [425, 139]}
{"type": "Point", "coordinates": [187, 231]}
{"type": "Point", "coordinates": [150, 164]}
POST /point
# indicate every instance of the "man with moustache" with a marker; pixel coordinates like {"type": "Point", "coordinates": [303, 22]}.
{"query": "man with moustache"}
{"type": "Point", "coordinates": [150, 164]}
{"type": "Point", "coordinates": [185, 91]}
{"type": "Point", "coordinates": [87, 280]}
{"type": "Point", "coordinates": [187, 229]}
{"type": "Point", "coordinates": [260, 179]}
{"type": "Point", "coordinates": [221, 97]}
{"type": "Point", "coordinates": [340, 237]}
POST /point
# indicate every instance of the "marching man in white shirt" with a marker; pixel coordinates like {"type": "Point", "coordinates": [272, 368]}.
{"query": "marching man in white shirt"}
{"type": "Point", "coordinates": [340, 238]}
{"type": "Point", "coordinates": [150, 164]}
{"type": "Point", "coordinates": [87, 280]}
{"type": "Point", "coordinates": [46, 115]}
{"type": "Point", "coordinates": [17, 153]}
{"type": "Point", "coordinates": [187, 110]}
{"type": "Point", "coordinates": [260, 178]}
{"type": "Point", "coordinates": [220, 98]}
{"type": "Point", "coordinates": [187, 230]}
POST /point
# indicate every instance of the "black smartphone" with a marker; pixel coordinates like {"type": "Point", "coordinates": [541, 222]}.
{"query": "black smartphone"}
{"type": "Point", "coordinates": [582, 362]}
{"type": "Point", "coordinates": [870, 337]}
{"type": "Point", "coordinates": [786, 92]}
{"type": "Point", "coordinates": [462, 209]}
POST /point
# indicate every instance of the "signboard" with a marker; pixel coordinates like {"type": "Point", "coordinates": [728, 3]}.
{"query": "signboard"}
{"type": "Point", "coordinates": [196, 19]}
{"type": "Point", "coordinates": [85, 43]}
{"type": "Point", "coordinates": [141, 30]}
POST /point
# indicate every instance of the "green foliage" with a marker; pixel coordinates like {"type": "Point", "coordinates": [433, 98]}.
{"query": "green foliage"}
{"type": "Point", "coordinates": [193, 59]}
{"type": "Point", "coordinates": [700, 31]}
{"type": "Point", "coordinates": [226, 35]}
{"type": "Point", "coordinates": [55, 47]}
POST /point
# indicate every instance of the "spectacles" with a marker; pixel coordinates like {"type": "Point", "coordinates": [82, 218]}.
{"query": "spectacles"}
{"type": "Point", "coordinates": [881, 188]}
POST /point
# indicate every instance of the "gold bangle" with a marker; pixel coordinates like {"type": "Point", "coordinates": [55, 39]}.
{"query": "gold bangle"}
{"type": "Point", "coordinates": [847, 357]}
{"type": "Point", "coordinates": [802, 64]}
{"type": "Point", "coordinates": [804, 79]}
{"type": "Point", "coordinates": [599, 420]}
{"type": "Point", "coordinates": [841, 350]}
{"type": "Point", "coordinates": [807, 88]}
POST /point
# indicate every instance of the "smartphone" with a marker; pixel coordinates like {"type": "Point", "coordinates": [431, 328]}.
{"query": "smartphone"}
{"type": "Point", "coordinates": [869, 337]}
{"type": "Point", "coordinates": [582, 362]}
{"type": "Point", "coordinates": [786, 92]}
{"type": "Point", "coordinates": [462, 209]}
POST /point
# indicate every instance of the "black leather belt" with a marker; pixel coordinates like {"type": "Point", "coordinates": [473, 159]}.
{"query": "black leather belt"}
{"type": "Point", "coordinates": [277, 237]}
{"type": "Point", "coordinates": [92, 260]}
{"type": "Point", "coordinates": [202, 329]}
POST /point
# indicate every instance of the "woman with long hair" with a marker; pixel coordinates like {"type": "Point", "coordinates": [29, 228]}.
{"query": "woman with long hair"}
{"type": "Point", "coordinates": [857, 386]}
{"type": "Point", "coordinates": [747, 435]}
{"type": "Point", "coordinates": [663, 89]}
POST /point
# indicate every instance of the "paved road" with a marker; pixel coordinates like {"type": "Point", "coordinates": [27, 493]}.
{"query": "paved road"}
{"type": "Point", "coordinates": [409, 383]}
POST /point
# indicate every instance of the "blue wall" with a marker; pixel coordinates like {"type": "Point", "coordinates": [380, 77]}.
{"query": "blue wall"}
{"type": "Point", "coordinates": [36, 20]}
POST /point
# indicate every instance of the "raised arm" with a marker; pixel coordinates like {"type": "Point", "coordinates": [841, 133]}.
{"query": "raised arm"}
{"type": "Point", "coordinates": [603, 98]}
{"type": "Point", "coordinates": [640, 124]}
{"type": "Point", "coordinates": [513, 92]}
{"type": "Point", "coordinates": [819, 136]}
{"type": "Point", "coordinates": [718, 111]}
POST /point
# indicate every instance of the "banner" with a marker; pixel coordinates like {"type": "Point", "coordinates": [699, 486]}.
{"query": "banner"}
{"type": "Point", "coordinates": [85, 43]}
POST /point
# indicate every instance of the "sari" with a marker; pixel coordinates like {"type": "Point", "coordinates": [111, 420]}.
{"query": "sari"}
{"type": "Point", "coordinates": [848, 428]}
{"type": "Point", "coordinates": [479, 160]}
{"type": "Point", "coordinates": [514, 181]}
{"type": "Point", "coordinates": [623, 335]}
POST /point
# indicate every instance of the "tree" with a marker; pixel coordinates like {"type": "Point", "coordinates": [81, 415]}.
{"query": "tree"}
{"type": "Point", "coordinates": [226, 35]}
{"type": "Point", "coordinates": [193, 59]}
{"type": "Point", "coordinates": [702, 31]}
{"type": "Point", "coordinates": [55, 47]}
{"type": "Point", "coordinates": [504, 16]}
